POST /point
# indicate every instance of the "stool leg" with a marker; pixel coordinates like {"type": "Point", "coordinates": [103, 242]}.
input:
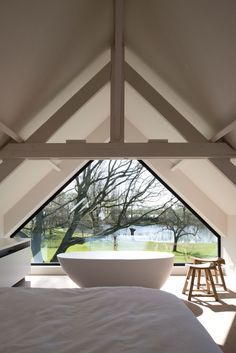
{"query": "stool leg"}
{"type": "Point", "coordinates": [216, 275]}
{"type": "Point", "coordinates": [191, 284]}
{"type": "Point", "coordinates": [186, 280]}
{"type": "Point", "coordinates": [212, 285]}
{"type": "Point", "coordinates": [207, 281]}
{"type": "Point", "coordinates": [222, 276]}
{"type": "Point", "coordinates": [199, 279]}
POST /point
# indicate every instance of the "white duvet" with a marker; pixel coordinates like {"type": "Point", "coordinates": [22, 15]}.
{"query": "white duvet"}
{"type": "Point", "coordinates": [98, 320]}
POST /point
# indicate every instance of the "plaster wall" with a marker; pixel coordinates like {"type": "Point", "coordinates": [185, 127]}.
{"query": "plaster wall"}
{"type": "Point", "coordinates": [229, 251]}
{"type": "Point", "coordinates": [184, 186]}
{"type": "Point", "coordinates": [199, 201]}
{"type": "Point", "coordinates": [65, 94]}
{"type": "Point", "coordinates": [40, 193]}
{"type": "Point", "coordinates": [1, 226]}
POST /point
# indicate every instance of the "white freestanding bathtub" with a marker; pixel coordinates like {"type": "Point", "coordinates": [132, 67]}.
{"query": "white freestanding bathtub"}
{"type": "Point", "coordinates": [117, 268]}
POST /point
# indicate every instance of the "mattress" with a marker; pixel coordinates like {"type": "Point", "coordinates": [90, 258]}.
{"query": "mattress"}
{"type": "Point", "coordinates": [98, 320]}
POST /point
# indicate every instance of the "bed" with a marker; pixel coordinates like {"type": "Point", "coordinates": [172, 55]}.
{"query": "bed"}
{"type": "Point", "coordinates": [98, 320]}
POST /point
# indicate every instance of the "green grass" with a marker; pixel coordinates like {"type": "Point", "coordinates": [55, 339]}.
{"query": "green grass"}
{"type": "Point", "coordinates": [53, 240]}
{"type": "Point", "coordinates": [183, 254]}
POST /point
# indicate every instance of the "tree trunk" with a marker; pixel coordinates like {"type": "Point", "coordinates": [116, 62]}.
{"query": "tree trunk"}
{"type": "Point", "coordinates": [174, 247]}
{"type": "Point", "coordinates": [65, 242]}
{"type": "Point", "coordinates": [175, 243]}
{"type": "Point", "coordinates": [115, 243]}
{"type": "Point", "coordinates": [36, 238]}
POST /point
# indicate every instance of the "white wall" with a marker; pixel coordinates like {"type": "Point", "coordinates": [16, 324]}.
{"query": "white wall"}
{"type": "Point", "coordinates": [37, 195]}
{"type": "Point", "coordinates": [198, 200]}
{"type": "Point", "coordinates": [184, 186]}
{"type": "Point", "coordinates": [1, 226]}
{"type": "Point", "coordinates": [229, 251]}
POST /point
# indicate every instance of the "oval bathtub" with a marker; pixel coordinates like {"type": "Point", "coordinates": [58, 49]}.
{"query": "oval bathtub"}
{"type": "Point", "coordinates": [117, 268]}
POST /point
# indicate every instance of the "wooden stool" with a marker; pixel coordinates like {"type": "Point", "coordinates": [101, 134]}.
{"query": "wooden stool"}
{"type": "Point", "coordinates": [217, 270]}
{"type": "Point", "coordinates": [196, 269]}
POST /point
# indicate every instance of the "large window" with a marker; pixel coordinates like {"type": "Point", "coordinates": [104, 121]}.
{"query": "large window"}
{"type": "Point", "coordinates": [117, 205]}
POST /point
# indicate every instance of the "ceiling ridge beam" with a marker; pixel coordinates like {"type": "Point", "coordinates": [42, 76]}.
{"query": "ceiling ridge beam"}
{"type": "Point", "coordinates": [45, 131]}
{"type": "Point", "coordinates": [176, 119]}
{"type": "Point", "coordinates": [133, 150]}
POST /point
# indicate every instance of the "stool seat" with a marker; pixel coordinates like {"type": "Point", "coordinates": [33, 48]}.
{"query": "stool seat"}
{"type": "Point", "coordinates": [217, 262]}
{"type": "Point", "coordinates": [209, 265]}
{"type": "Point", "coordinates": [208, 259]}
{"type": "Point", "coordinates": [196, 269]}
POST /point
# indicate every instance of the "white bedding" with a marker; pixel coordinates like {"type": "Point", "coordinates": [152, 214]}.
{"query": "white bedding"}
{"type": "Point", "coordinates": [101, 320]}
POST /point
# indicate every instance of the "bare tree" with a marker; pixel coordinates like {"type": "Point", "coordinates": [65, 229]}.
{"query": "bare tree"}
{"type": "Point", "coordinates": [36, 237]}
{"type": "Point", "coordinates": [113, 188]}
{"type": "Point", "coordinates": [116, 193]}
{"type": "Point", "coordinates": [181, 222]}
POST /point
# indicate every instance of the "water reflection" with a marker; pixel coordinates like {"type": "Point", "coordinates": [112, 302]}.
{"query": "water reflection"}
{"type": "Point", "coordinates": [158, 234]}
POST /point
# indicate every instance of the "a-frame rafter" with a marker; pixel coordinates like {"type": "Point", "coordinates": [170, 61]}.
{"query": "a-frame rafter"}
{"type": "Point", "coordinates": [8, 131]}
{"type": "Point", "coordinates": [182, 125]}
{"type": "Point", "coordinates": [226, 130]}
{"type": "Point", "coordinates": [197, 145]}
{"type": "Point", "coordinates": [44, 132]}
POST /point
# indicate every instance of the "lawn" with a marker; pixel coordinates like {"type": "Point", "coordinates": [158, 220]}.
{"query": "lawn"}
{"type": "Point", "coordinates": [183, 254]}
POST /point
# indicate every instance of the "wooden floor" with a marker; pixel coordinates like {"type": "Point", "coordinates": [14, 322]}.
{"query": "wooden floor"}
{"type": "Point", "coordinates": [219, 318]}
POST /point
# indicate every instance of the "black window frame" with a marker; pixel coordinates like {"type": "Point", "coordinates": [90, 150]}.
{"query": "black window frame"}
{"type": "Point", "coordinates": [150, 171]}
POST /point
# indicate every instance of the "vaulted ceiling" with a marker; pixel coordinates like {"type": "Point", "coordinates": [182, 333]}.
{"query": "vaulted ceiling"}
{"type": "Point", "coordinates": [186, 51]}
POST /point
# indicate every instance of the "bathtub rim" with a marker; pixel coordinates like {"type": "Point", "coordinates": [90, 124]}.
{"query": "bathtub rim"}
{"type": "Point", "coordinates": [116, 255]}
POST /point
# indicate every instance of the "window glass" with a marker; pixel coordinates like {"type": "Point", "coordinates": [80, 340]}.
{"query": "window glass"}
{"type": "Point", "coordinates": [117, 205]}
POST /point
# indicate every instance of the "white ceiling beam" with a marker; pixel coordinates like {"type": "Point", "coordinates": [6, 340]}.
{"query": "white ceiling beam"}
{"type": "Point", "coordinates": [26, 206]}
{"type": "Point", "coordinates": [226, 130]}
{"type": "Point", "coordinates": [6, 130]}
{"type": "Point", "coordinates": [54, 165]}
{"type": "Point", "coordinates": [184, 186]}
{"type": "Point", "coordinates": [117, 75]}
{"type": "Point", "coordinates": [226, 167]}
{"type": "Point", "coordinates": [182, 125]}
{"type": "Point", "coordinates": [118, 150]}
{"type": "Point", "coordinates": [185, 128]}
{"type": "Point", "coordinates": [71, 106]}
{"type": "Point", "coordinates": [177, 165]}
{"type": "Point", "coordinates": [62, 115]}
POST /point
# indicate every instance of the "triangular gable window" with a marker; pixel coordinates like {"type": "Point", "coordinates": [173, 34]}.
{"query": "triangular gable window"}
{"type": "Point", "coordinates": [117, 205]}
